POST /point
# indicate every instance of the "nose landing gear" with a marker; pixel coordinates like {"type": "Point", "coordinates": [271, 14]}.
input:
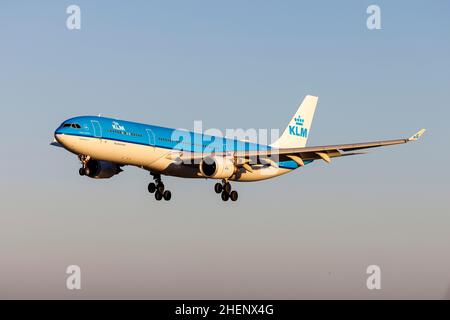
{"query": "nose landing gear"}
{"type": "Point", "coordinates": [158, 188]}
{"type": "Point", "coordinates": [84, 170]}
{"type": "Point", "coordinates": [224, 189]}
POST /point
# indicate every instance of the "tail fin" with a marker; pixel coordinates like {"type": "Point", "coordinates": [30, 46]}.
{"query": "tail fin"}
{"type": "Point", "coordinates": [297, 132]}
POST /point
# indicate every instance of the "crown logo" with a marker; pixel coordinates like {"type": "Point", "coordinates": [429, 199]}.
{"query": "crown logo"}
{"type": "Point", "coordinates": [299, 121]}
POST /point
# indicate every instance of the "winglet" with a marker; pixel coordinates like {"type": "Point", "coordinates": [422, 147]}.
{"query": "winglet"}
{"type": "Point", "coordinates": [417, 135]}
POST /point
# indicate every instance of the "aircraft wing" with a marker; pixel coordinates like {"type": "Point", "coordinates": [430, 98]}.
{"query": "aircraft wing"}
{"type": "Point", "coordinates": [56, 144]}
{"type": "Point", "coordinates": [299, 155]}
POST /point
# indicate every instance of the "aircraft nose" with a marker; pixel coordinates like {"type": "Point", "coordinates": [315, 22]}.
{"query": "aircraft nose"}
{"type": "Point", "coordinates": [65, 140]}
{"type": "Point", "coordinates": [58, 132]}
{"type": "Point", "coordinates": [57, 136]}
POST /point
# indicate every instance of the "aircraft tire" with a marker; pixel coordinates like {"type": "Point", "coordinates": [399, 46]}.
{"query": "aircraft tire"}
{"type": "Point", "coordinates": [227, 187]}
{"type": "Point", "coordinates": [225, 196]}
{"type": "Point", "coordinates": [151, 187]}
{"type": "Point", "coordinates": [218, 188]}
{"type": "Point", "coordinates": [167, 195]}
{"type": "Point", "coordinates": [158, 195]}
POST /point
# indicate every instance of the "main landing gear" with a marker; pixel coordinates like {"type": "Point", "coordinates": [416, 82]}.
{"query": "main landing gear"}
{"type": "Point", "coordinates": [158, 189]}
{"type": "Point", "coordinates": [224, 189]}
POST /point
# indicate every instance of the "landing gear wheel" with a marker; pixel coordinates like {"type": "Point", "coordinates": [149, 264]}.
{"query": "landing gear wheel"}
{"type": "Point", "coordinates": [218, 188]}
{"type": "Point", "coordinates": [225, 196]}
{"type": "Point", "coordinates": [82, 172]}
{"type": "Point", "coordinates": [151, 187]}
{"type": "Point", "coordinates": [158, 195]}
{"type": "Point", "coordinates": [158, 189]}
{"type": "Point", "coordinates": [233, 195]}
{"type": "Point", "coordinates": [167, 195]}
{"type": "Point", "coordinates": [227, 187]}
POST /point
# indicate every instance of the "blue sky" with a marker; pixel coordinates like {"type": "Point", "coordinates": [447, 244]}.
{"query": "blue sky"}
{"type": "Point", "coordinates": [233, 64]}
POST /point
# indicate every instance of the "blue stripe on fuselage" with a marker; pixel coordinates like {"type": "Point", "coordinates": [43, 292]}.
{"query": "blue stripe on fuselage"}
{"type": "Point", "coordinates": [160, 137]}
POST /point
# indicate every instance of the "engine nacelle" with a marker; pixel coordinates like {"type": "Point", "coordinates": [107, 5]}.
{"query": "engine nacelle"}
{"type": "Point", "coordinates": [217, 167]}
{"type": "Point", "coordinates": [101, 169]}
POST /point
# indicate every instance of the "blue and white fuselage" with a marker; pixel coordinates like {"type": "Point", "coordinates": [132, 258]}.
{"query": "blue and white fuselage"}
{"type": "Point", "coordinates": [152, 147]}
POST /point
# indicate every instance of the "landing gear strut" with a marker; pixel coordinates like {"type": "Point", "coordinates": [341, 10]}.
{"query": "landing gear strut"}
{"type": "Point", "coordinates": [84, 170]}
{"type": "Point", "coordinates": [224, 189]}
{"type": "Point", "coordinates": [158, 188]}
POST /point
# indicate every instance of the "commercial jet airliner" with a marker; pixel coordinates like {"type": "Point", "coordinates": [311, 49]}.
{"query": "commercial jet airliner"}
{"type": "Point", "coordinates": [105, 145]}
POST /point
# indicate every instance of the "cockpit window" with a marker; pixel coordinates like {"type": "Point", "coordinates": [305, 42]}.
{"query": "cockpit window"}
{"type": "Point", "coordinates": [71, 125]}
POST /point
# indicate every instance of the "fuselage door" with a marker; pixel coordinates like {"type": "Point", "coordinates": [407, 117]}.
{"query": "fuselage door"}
{"type": "Point", "coordinates": [97, 129]}
{"type": "Point", "coordinates": [151, 138]}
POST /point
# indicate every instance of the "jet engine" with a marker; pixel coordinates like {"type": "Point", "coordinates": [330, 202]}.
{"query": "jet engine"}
{"type": "Point", "coordinates": [217, 167]}
{"type": "Point", "coordinates": [101, 169]}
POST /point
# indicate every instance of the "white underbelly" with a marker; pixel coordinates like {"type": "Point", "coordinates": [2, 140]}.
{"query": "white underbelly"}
{"type": "Point", "coordinates": [113, 151]}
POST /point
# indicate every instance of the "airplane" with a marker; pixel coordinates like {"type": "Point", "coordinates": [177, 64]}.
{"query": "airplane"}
{"type": "Point", "coordinates": [105, 145]}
